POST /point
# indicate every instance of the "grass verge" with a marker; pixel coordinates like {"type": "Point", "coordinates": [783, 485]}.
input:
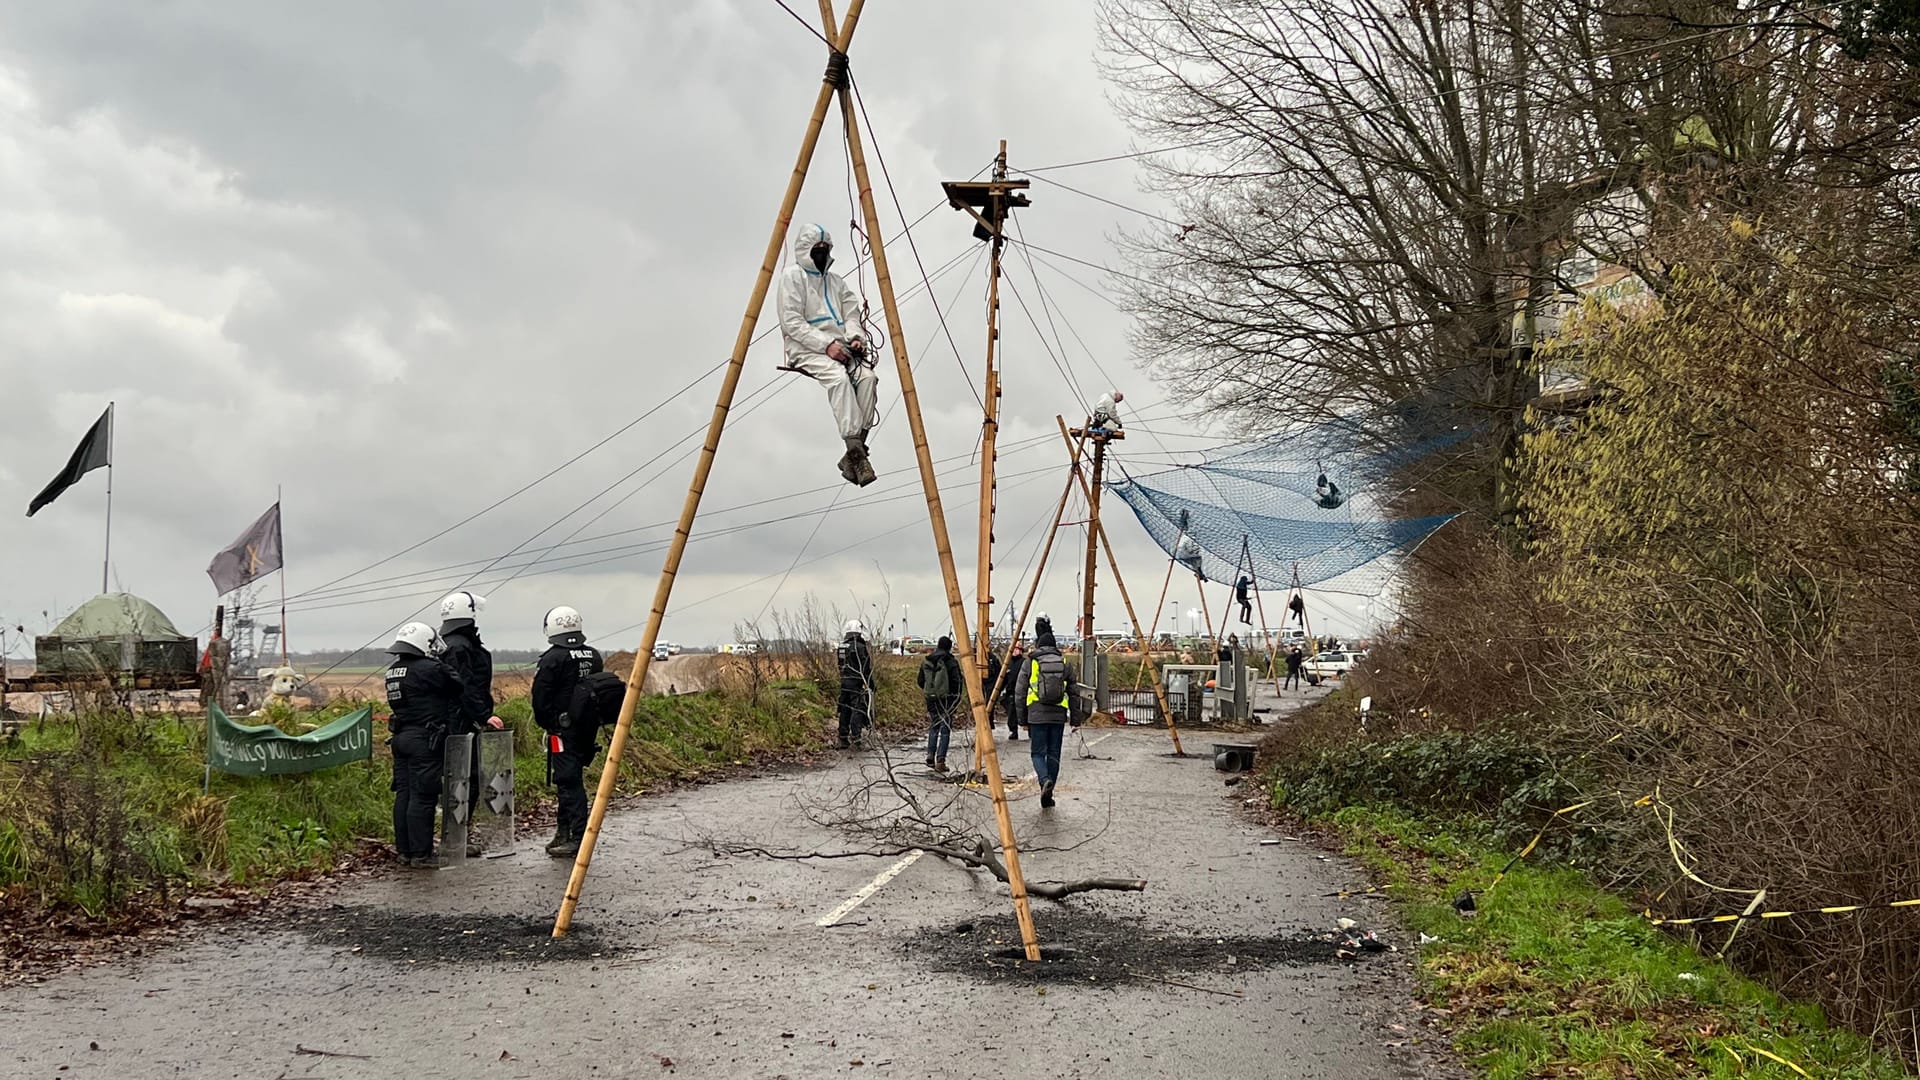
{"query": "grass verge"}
{"type": "Point", "coordinates": [103, 817]}
{"type": "Point", "coordinates": [1556, 977]}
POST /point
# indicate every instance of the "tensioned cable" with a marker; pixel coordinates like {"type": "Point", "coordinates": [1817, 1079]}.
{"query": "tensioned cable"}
{"type": "Point", "coordinates": [811, 29]}
{"type": "Point", "coordinates": [1104, 199]}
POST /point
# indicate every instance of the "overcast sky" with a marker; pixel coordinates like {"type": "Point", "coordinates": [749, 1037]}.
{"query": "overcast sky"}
{"type": "Point", "coordinates": [403, 259]}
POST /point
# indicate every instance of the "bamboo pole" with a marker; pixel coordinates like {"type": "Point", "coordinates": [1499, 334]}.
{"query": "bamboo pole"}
{"type": "Point", "coordinates": [1266, 635]}
{"type": "Point", "coordinates": [1200, 586]}
{"type": "Point", "coordinates": [609, 774]}
{"type": "Point", "coordinates": [1154, 627]}
{"type": "Point", "coordinates": [1040, 570]}
{"type": "Point", "coordinates": [990, 426]}
{"type": "Point", "coordinates": [1100, 531]}
{"type": "Point", "coordinates": [937, 518]}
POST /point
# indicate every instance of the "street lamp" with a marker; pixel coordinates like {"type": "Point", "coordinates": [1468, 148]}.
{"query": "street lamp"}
{"type": "Point", "coordinates": [1193, 620]}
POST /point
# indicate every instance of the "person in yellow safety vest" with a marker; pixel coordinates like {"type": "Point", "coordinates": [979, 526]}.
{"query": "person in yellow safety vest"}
{"type": "Point", "coordinates": [1053, 702]}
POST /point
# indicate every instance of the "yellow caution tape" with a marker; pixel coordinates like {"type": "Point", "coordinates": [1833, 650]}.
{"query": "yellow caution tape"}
{"type": "Point", "coordinates": [1832, 909]}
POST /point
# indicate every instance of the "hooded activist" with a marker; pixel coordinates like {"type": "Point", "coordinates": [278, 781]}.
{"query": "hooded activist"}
{"type": "Point", "coordinates": [943, 686]}
{"type": "Point", "coordinates": [468, 657]}
{"type": "Point", "coordinates": [571, 740]}
{"type": "Point", "coordinates": [424, 698]}
{"type": "Point", "coordinates": [820, 322]}
{"type": "Point", "coordinates": [855, 662]}
{"type": "Point", "coordinates": [1052, 702]}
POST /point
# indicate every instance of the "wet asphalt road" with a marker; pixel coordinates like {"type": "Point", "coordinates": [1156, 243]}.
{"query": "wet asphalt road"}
{"type": "Point", "coordinates": [719, 966]}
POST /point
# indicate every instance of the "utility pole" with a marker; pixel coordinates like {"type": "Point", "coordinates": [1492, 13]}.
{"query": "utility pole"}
{"type": "Point", "coordinates": [988, 203]}
{"type": "Point", "coordinates": [1098, 437]}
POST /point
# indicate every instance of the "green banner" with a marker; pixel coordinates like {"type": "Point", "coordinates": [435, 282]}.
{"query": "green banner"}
{"type": "Point", "coordinates": [268, 751]}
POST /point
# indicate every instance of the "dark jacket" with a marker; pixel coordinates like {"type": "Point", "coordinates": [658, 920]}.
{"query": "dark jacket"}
{"type": "Point", "coordinates": [422, 693]}
{"type": "Point", "coordinates": [856, 664]}
{"type": "Point", "coordinates": [1046, 712]}
{"type": "Point", "coordinates": [1295, 660]}
{"type": "Point", "coordinates": [562, 666]}
{"type": "Point", "coordinates": [1240, 587]}
{"type": "Point", "coordinates": [956, 681]}
{"type": "Point", "coordinates": [470, 660]}
{"type": "Point", "coordinates": [992, 674]}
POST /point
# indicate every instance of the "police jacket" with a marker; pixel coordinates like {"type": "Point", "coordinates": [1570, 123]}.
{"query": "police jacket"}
{"type": "Point", "coordinates": [562, 666]}
{"type": "Point", "coordinates": [422, 693]}
{"type": "Point", "coordinates": [470, 660]}
{"type": "Point", "coordinates": [1046, 712]}
{"type": "Point", "coordinates": [856, 663]}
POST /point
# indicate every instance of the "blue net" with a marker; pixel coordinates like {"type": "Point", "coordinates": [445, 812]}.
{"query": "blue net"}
{"type": "Point", "coordinates": [1299, 504]}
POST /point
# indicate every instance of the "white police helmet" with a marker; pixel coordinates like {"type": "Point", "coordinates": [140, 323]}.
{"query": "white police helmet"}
{"type": "Point", "coordinates": [562, 620]}
{"type": "Point", "coordinates": [462, 605]}
{"type": "Point", "coordinates": [854, 626]}
{"type": "Point", "coordinates": [417, 639]}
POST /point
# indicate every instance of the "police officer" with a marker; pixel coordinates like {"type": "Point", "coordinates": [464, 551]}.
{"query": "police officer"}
{"type": "Point", "coordinates": [469, 658]}
{"type": "Point", "coordinates": [570, 746]}
{"type": "Point", "coordinates": [856, 685]}
{"type": "Point", "coordinates": [424, 699]}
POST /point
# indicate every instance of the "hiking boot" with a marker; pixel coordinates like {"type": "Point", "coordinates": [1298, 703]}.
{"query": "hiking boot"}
{"type": "Point", "coordinates": [1046, 795]}
{"type": "Point", "coordinates": [940, 766]}
{"type": "Point", "coordinates": [473, 849]}
{"type": "Point", "coordinates": [560, 835]}
{"type": "Point", "coordinates": [863, 467]}
{"type": "Point", "coordinates": [930, 763]}
{"type": "Point", "coordinates": [565, 849]}
{"type": "Point", "coordinates": [847, 471]}
{"type": "Point", "coordinates": [841, 743]}
{"type": "Point", "coordinates": [425, 862]}
{"type": "Point", "coordinates": [1013, 735]}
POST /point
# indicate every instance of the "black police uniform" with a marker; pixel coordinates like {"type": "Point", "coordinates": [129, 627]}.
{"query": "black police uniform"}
{"type": "Point", "coordinates": [856, 688]}
{"type": "Point", "coordinates": [424, 696]}
{"type": "Point", "coordinates": [568, 660]}
{"type": "Point", "coordinates": [468, 658]}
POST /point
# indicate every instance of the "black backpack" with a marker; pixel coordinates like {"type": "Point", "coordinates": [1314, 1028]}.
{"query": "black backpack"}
{"type": "Point", "coordinates": [1052, 678]}
{"type": "Point", "coordinates": [596, 700]}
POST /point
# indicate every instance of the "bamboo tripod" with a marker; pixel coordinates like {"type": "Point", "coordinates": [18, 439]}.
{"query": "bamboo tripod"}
{"type": "Point", "coordinates": [836, 83]}
{"type": "Point", "coordinates": [1100, 533]}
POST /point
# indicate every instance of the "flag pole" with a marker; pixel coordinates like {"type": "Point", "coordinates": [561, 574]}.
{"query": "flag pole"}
{"type": "Point", "coordinates": [279, 515]}
{"type": "Point", "coordinates": [106, 555]}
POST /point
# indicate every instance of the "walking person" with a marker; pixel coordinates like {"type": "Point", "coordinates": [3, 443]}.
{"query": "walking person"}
{"type": "Point", "coordinates": [1052, 699]}
{"type": "Point", "coordinates": [571, 740]}
{"type": "Point", "coordinates": [423, 699]}
{"type": "Point", "coordinates": [856, 685]}
{"type": "Point", "coordinates": [1011, 697]}
{"type": "Point", "coordinates": [468, 657]}
{"type": "Point", "coordinates": [942, 684]}
{"type": "Point", "coordinates": [1295, 660]}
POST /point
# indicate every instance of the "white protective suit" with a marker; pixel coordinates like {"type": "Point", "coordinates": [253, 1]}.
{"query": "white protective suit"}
{"type": "Point", "coordinates": [815, 309]}
{"type": "Point", "coordinates": [1106, 413]}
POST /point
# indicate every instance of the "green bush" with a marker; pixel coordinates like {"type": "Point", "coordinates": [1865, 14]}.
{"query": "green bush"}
{"type": "Point", "coordinates": [1508, 785]}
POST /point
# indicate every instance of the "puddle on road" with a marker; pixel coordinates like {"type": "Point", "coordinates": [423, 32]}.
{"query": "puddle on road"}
{"type": "Point", "coordinates": [424, 937]}
{"type": "Point", "coordinates": [1087, 948]}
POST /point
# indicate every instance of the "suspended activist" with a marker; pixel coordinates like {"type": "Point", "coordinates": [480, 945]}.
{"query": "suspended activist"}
{"type": "Point", "coordinates": [1052, 702]}
{"type": "Point", "coordinates": [942, 684]}
{"type": "Point", "coordinates": [423, 701]}
{"type": "Point", "coordinates": [855, 662]}
{"type": "Point", "coordinates": [820, 319]}
{"type": "Point", "coordinates": [1106, 412]}
{"type": "Point", "coordinates": [470, 659]}
{"type": "Point", "coordinates": [1241, 589]}
{"type": "Point", "coordinates": [571, 737]}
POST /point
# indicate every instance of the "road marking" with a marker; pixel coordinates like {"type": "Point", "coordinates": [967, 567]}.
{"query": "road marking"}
{"type": "Point", "coordinates": [872, 887]}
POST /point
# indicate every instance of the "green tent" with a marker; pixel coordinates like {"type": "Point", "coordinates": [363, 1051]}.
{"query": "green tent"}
{"type": "Point", "coordinates": [115, 632]}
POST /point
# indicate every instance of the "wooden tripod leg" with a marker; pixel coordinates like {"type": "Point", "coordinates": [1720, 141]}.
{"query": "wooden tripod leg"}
{"type": "Point", "coordinates": [1146, 647]}
{"type": "Point", "coordinates": [937, 518]}
{"type": "Point", "coordinates": [662, 592]}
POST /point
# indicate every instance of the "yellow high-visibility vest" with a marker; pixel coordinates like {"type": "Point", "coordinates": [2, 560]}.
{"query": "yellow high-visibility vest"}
{"type": "Point", "coordinates": [1033, 686]}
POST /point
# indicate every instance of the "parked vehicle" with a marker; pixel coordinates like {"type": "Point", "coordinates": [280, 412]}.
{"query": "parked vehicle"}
{"type": "Point", "coordinates": [661, 652]}
{"type": "Point", "coordinates": [740, 648]}
{"type": "Point", "coordinates": [1329, 665]}
{"type": "Point", "coordinates": [673, 648]}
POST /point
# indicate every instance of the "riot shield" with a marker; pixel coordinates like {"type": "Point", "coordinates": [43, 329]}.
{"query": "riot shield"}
{"type": "Point", "coordinates": [456, 792]}
{"type": "Point", "coordinates": [492, 821]}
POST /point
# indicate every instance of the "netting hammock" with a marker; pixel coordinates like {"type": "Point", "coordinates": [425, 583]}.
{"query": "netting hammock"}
{"type": "Point", "coordinates": [1298, 503]}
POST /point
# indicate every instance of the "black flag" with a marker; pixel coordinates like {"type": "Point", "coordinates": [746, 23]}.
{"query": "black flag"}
{"type": "Point", "coordinates": [94, 451]}
{"type": "Point", "coordinates": [256, 553]}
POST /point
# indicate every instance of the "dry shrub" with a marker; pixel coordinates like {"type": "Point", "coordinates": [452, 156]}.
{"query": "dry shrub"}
{"type": "Point", "coordinates": [1473, 644]}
